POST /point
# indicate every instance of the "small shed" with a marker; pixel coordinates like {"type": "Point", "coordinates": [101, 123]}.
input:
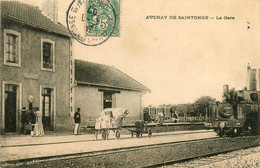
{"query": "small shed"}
{"type": "Point", "coordinates": [99, 86]}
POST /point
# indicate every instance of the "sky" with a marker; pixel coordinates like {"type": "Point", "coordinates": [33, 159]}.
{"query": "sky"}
{"type": "Point", "coordinates": [180, 60]}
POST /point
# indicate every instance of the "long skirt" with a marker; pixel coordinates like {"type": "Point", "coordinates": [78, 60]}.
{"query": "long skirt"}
{"type": "Point", "coordinates": [40, 126]}
{"type": "Point", "coordinates": [36, 130]}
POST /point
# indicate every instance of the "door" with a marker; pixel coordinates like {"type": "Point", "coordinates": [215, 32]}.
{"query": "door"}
{"type": "Point", "coordinates": [107, 100]}
{"type": "Point", "coordinates": [10, 108]}
{"type": "Point", "coordinates": [47, 119]}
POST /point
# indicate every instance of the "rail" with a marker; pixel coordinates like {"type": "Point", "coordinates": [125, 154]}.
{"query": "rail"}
{"type": "Point", "coordinates": [150, 155]}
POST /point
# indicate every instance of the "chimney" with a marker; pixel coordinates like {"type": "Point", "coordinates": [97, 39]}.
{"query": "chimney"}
{"type": "Point", "coordinates": [50, 9]}
{"type": "Point", "coordinates": [252, 79]}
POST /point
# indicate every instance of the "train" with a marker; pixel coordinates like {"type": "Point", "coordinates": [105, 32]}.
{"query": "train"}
{"type": "Point", "coordinates": [239, 111]}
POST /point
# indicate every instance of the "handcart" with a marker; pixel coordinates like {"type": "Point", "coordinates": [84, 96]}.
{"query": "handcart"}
{"type": "Point", "coordinates": [110, 119]}
{"type": "Point", "coordinates": [141, 128]}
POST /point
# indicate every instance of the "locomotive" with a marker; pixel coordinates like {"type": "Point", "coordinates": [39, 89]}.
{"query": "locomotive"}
{"type": "Point", "coordinates": [238, 113]}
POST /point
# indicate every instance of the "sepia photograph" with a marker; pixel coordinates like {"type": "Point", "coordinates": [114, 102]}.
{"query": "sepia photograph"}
{"type": "Point", "coordinates": [130, 83]}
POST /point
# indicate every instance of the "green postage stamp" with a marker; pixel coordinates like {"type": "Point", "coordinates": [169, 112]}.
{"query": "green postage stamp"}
{"type": "Point", "coordinates": [92, 22]}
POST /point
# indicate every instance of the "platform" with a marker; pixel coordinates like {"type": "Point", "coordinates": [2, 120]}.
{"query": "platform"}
{"type": "Point", "coordinates": [23, 147]}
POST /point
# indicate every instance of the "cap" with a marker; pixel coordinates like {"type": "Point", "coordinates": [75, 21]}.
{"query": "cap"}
{"type": "Point", "coordinates": [78, 109]}
{"type": "Point", "coordinates": [24, 109]}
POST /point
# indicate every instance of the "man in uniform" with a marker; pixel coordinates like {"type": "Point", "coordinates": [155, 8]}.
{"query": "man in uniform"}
{"type": "Point", "coordinates": [24, 120]}
{"type": "Point", "coordinates": [32, 120]}
{"type": "Point", "coordinates": [77, 121]}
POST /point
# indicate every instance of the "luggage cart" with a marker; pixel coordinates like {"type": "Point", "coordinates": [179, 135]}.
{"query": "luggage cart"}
{"type": "Point", "coordinates": [109, 120]}
{"type": "Point", "coordinates": [140, 128]}
{"type": "Point", "coordinates": [104, 132]}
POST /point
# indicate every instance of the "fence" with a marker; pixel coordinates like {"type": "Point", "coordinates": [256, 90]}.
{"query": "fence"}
{"type": "Point", "coordinates": [168, 115]}
{"type": "Point", "coordinates": [192, 119]}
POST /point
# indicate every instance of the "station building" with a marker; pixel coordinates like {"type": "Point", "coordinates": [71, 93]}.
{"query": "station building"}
{"type": "Point", "coordinates": [35, 67]}
{"type": "Point", "coordinates": [99, 86]}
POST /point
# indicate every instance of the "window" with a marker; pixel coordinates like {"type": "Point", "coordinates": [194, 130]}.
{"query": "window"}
{"type": "Point", "coordinates": [12, 48]}
{"type": "Point", "coordinates": [48, 55]}
{"type": "Point", "coordinates": [108, 98]}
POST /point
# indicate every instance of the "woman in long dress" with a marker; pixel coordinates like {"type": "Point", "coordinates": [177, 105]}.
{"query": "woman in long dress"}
{"type": "Point", "coordinates": [39, 123]}
{"type": "Point", "coordinates": [36, 125]}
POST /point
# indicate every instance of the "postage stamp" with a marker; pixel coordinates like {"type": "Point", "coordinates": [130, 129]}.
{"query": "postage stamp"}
{"type": "Point", "coordinates": [92, 22]}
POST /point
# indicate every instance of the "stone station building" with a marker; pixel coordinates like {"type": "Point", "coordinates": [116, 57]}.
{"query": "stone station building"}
{"type": "Point", "coordinates": [35, 67]}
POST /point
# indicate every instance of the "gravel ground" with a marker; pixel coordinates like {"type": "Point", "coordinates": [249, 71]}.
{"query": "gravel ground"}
{"type": "Point", "coordinates": [246, 158]}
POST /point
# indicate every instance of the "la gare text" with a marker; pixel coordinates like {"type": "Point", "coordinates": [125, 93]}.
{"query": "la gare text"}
{"type": "Point", "coordinates": [151, 17]}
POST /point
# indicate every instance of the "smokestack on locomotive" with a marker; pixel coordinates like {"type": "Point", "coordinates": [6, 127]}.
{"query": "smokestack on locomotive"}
{"type": "Point", "coordinates": [252, 79]}
{"type": "Point", "coordinates": [225, 89]}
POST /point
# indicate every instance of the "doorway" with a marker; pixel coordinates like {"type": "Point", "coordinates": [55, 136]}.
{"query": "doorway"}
{"type": "Point", "coordinates": [10, 107]}
{"type": "Point", "coordinates": [47, 109]}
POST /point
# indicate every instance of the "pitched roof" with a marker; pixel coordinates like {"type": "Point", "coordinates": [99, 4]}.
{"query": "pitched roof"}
{"type": "Point", "coordinates": [32, 16]}
{"type": "Point", "coordinates": [104, 75]}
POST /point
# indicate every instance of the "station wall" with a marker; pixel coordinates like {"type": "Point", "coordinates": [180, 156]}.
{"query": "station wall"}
{"type": "Point", "coordinates": [90, 100]}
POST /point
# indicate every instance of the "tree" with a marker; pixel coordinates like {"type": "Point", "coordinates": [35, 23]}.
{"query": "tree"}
{"type": "Point", "coordinates": [192, 110]}
{"type": "Point", "coordinates": [181, 109]}
{"type": "Point", "coordinates": [202, 104]}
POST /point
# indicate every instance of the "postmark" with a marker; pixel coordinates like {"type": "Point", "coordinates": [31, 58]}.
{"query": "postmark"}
{"type": "Point", "coordinates": [92, 22]}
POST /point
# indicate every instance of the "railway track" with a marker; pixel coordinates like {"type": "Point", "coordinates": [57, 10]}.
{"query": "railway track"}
{"type": "Point", "coordinates": [229, 159]}
{"type": "Point", "coordinates": [78, 156]}
{"type": "Point", "coordinates": [148, 155]}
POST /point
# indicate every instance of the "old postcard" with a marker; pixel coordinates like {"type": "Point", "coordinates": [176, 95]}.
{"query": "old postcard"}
{"type": "Point", "coordinates": [130, 83]}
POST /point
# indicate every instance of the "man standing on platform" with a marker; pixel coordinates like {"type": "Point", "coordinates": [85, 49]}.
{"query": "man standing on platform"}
{"type": "Point", "coordinates": [77, 121]}
{"type": "Point", "coordinates": [24, 120]}
{"type": "Point", "coordinates": [32, 121]}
